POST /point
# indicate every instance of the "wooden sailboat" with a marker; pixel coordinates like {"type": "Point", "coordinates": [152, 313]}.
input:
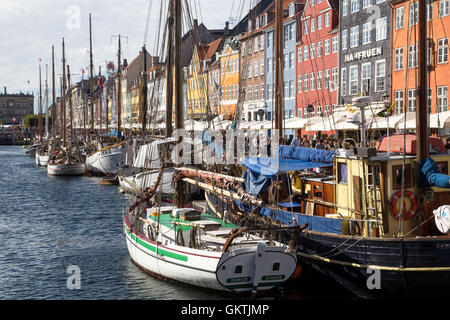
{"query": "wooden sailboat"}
{"type": "Point", "coordinates": [67, 160]}
{"type": "Point", "coordinates": [181, 244]}
{"type": "Point", "coordinates": [41, 158]}
{"type": "Point", "coordinates": [375, 218]}
{"type": "Point", "coordinates": [106, 157]}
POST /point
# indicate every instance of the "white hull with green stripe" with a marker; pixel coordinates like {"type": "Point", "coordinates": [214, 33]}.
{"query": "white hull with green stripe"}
{"type": "Point", "coordinates": [209, 259]}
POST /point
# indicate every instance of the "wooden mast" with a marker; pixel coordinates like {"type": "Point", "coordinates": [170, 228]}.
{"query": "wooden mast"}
{"type": "Point", "coordinates": [40, 105]}
{"type": "Point", "coordinates": [53, 94]}
{"type": "Point", "coordinates": [83, 93]}
{"type": "Point", "coordinates": [279, 113]}
{"type": "Point", "coordinates": [144, 93]}
{"type": "Point", "coordinates": [422, 110]}
{"type": "Point", "coordinates": [91, 82]}
{"type": "Point", "coordinates": [169, 71]}
{"type": "Point", "coordinates": [179, 118]}
{"type": "Point", "coordinates": [63, 98]}
{"type": "Point", "coordinates": [100, 98]}
{"type": "Point", "coordinates": [107, 107]}
{"type": "Point", "coordinates": [119, 89]}
{"type": "Point", "coordinates": [70, 104]}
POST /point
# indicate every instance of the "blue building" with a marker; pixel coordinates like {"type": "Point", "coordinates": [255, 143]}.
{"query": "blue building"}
{"type": "Point", "coordinates": [289, 61]}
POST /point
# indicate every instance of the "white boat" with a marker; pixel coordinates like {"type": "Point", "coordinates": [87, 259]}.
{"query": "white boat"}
{"type": "Point", "coordinates": [196, 249]}
{"type": "Point", "coordinates": [41, 160]}
{"type": "Point", "coordinates": [105, 161]}
{"type": "Point", "coordinates": [68, 169]}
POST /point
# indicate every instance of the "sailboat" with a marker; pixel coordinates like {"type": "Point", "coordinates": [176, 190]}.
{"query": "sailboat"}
{"type": "Point", "coordinates": [377, 218]}
{"type": "Point", "coordinates": [66, 160]}
{"type": "Point", "coordinates": [106, 157]}
{"type": "Point", "coordinates": [41, 157]}
{"type": "Point", "coordinates": [179, 243]}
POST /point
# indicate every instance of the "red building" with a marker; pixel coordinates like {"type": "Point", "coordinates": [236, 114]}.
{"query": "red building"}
{"type": "Point", "coordinates": [317, 58]}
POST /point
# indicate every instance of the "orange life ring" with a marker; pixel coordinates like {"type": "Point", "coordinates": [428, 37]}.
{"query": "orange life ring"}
{"type": "Point", "coordinates": [407, 215]}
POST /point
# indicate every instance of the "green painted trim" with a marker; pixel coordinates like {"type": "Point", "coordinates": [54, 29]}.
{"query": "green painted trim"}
{"type": "Point", "coordinates": [152, 248]}
{"type": "Point", "coordinates": [241, 279]}
{"type": "Point", "coordinates": [273, 277]}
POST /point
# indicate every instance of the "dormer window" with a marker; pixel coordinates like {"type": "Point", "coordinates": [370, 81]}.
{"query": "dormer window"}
{"type": "Point", "coordinates": [250, 25]}
{"type": "Point", "coordinates": [291, 9]}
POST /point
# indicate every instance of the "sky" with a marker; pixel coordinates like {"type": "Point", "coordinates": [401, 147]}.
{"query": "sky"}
{"type": "Point", "coordinates": [29, 28]}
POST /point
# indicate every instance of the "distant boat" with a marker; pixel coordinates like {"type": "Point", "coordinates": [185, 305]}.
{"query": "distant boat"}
{"type": "Point", "coordinates": [105, 161]}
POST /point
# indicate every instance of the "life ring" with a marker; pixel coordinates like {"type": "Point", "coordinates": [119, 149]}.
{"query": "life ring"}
{"type": "Point", "coordinates": [407, 215]}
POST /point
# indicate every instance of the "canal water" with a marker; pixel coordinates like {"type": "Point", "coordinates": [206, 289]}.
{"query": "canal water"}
{"type": "Point", "coordinates": [51, 226]}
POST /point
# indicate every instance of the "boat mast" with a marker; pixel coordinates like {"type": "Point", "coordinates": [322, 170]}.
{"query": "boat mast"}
{"type": "Point", "coordinates": [53, 94]}
{"type": "Point", "coordinates": [70, 104]}
{"type": "Point", "coordinates": [101, 96]}
{"type": "Point", "coordinates": [46, 100]}
{"type": "Point", "coordinates": [179, 121]}
{"type": "Point", "coordinates": [119, 88]}
{"type": "Point", "coordinates": [83, 93]}
{"type": "Point", "coordinates": [106, 100]}
{"type": "Point", "coordinates": [279, 114]}
{"type": "Point", "coordinates": [169, 71]}
{"type": "Point", "coordinates": [144, 92]}
{"type": "Point", "coordinates": [422, 110]}
{"type": "Point", "coordinates": [92, 75]}
{"type": "Point", "coordinates": [63, 98]}
{"type": "Point", "coordinates": [40, 105]}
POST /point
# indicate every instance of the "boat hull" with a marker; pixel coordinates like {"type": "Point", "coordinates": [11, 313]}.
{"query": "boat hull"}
{"type": "Point", "coordinates": [41, 160]}
{"type": "Point", "coordinates": [71, 169]}
{"type": "Point", "coordinates": [106, 162]}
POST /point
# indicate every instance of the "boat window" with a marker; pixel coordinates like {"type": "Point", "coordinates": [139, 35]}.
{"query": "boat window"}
{"type": "Point", "coordinates": [238, 269]}
{"type": "Point", "coordinates": [276, 266]}
{"type": "Point", "coordinates": [342, 172]}
{"type": "Point", "coordinates": [318, 192]}
{"type": "Point", "coordinates": [442, 167]}
{"type": "Point", "coordinates": [397, 174]}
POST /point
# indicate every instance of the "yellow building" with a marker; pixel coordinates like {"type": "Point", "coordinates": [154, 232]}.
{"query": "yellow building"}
{"type": "Point", "coordinates": [229, 78]}
{"type": "Point", "coordinates": [196, 82]}
{"type": "Point", "coordinates": [136, 100]}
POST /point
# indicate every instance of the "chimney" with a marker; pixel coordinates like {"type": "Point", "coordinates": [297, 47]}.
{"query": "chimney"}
{"type": "Point", "coordinates": [227, 25]}
{"type": "Point", "coordinates": [5, 89]}
{"type": "Point", "coordinates": [195, 23]}
{"type": "Point", "coordinates": [125, 63]}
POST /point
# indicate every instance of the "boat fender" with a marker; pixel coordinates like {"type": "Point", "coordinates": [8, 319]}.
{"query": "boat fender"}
{"type": "Point", "coordinates": [407, 215]}
{"type": "Point", "coordinates": [442, 218]}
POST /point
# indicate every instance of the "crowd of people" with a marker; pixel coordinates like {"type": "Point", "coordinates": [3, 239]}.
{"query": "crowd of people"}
{"type": "Point", "coordinates": [317, 142]}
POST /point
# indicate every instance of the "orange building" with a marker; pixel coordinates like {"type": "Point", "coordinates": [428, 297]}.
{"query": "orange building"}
{"type": "Point", "coordinates": [405, 55]}
{"type": "Point", "coordinates": [229, 78]}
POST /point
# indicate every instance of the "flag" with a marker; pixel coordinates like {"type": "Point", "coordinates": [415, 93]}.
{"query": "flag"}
{"type": "Point", "coordinates": [14, 120]}
{"type": "Point", "coordinates": [40, 60]}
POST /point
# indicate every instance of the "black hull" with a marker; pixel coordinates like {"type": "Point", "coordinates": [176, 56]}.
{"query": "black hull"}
{"type": "Point", "coordinates": [378, 268]}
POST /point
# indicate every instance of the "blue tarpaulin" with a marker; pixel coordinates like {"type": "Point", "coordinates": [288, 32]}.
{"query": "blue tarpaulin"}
{"type": "Point", "coordinates": [262, 170]}
{"type": "Point", "coordinates": [432, 176]}
{"type": "Point", "coordinates": [115, 133]}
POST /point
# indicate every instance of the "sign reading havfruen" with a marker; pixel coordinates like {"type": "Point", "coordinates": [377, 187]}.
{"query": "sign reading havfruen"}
{"type": "Point", "coordinates": [365, 54]}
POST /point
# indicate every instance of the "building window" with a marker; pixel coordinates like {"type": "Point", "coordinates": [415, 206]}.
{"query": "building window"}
{"type": "Point", "coordinates": [442, 100]}
{"type": "Point", "coordinates": [443, 8]}
{"type": "Point", "coordinates": [443, 50]}
{"type": "Point", "coordinates": [319, 49]}
{"type": "Point", "coordinates": [367, 33]}
{"type": "Point", "coordinates": [413, 13]}
{"type": "Point", "coordinates": [412, 96]}
{"type": "Point", "coordinates": [367, 3]}
{"type": "Point", "coordinates": [313, 25]}
{"type": "Point", "coordinates": [312, 51]}
{"type": "Point", "coordinates": [319, 22]}
{"type": "Point", "coordinates": [399, 18]}
{"type": "Point", "coordinates": [299, 55]}
{"type": "Point", "coordinates": [398, 59]}
{"type": "Point", "coordinates": [319, 80]}
{"type": "Point", "coordinates": [381, 29]}
{"type": "Point", "coordinates": [291, 60]}
{"type": "Point", "coordinates": [344, 7]}
{"type": "Point", "coordinates": [429, 12]}
{"type": "Point", "coordinates": [399, 102]}
{"type": "Point", "coordinates": [299, 83]}
{"type": "Point", "coordinates": [334, 44]}
{"type": "Point", "coordinates": [326, 79]}
{"type": "Point", "coordinates": [355, 5]}
{"type": "Point", "coordinates": [291, 89]}
{"type": "Point", "coordinates": [305, 53]}
{"type": "Point", "coordinates": [312, 81]}
{"type": "Point", "coordinates": [380, 74]}
{"type": "Point", "coordinates": [344, 81]}
{"type": "Point", "coordinates": [354, 37]}
{"type": "Point", "coordinates": [327, 46]}
{"type": "Point", "coordinates": [366, 75]}
{"type": "Point", "coordinates": [305, 83]}
{"type": "Point", "coordinates": [306, 27]}
{"type": "Point", "coordinates": [327, 20]}
{"type": "Point", "coordinates": [334, 79]}
{"type": "Point", "coordinates": [412, 56]}
{"type": "Point", "coordinates": [342, 173]}
{"type": "Point", "coordinates": [353, 79]}
{"type": "Point", "coordinates": [344, 39]}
